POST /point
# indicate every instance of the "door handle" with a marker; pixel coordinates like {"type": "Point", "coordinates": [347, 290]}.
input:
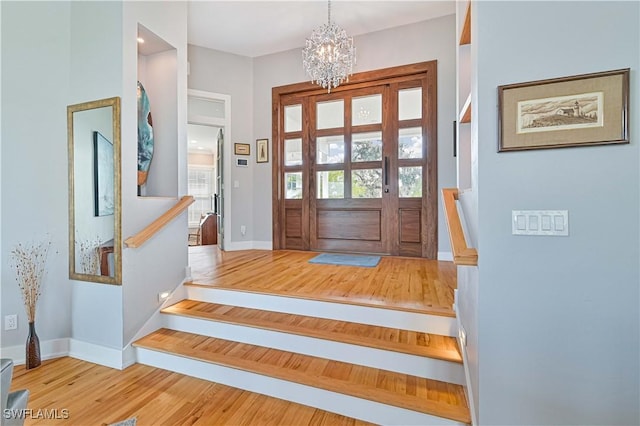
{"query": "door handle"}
{"type": "Point", "coordinates": [386, 171]}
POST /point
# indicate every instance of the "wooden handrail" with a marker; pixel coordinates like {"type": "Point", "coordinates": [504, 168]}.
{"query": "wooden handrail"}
{"type": "Point", "coordinates": [141, 237]}
{"type": "Point", "coordinates": [462, 255]}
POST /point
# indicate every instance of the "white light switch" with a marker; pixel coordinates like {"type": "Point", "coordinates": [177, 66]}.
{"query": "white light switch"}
{"type": "Point", "coordinates": [236, 184]}
{"type": "Point", "coordinates": [540, 222]}
{"type": "Point", "coordinates": [558, 223]}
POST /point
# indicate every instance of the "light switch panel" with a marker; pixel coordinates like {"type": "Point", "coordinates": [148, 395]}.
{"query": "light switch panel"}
{"type": "Point", "coordinates": [540, 222]}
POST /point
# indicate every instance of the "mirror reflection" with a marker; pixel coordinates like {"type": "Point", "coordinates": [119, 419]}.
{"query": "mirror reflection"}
{"type": "Point", "coordinates": [94, 191]}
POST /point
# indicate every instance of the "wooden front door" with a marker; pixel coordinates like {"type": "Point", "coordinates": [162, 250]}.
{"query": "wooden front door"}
{"type": "Point", "coordinates": [355, 170]}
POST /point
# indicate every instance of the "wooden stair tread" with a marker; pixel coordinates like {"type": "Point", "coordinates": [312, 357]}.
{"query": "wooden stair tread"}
{"type": "Point", "coordinates": [344, 300]}
{"type": "Point", "coordinates": [401, 390]}
{"type": "Point", "coordinates": [404, 341]}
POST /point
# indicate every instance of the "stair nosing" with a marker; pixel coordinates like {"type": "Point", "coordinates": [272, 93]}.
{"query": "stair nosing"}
{"type": "Point", "coordinates": [340, 338]}
{"type": "Point", "coordinates": [435, 408]}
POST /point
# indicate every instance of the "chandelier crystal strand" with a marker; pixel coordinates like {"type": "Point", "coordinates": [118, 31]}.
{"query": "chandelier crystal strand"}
{"type": "Point", "coordinates": [329, 55]}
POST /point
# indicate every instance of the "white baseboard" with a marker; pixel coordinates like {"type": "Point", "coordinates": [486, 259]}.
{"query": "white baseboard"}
{"type": "Point", "coordinates": [445, 256]}
{"type": "Point", "coordinates": [249, 245]}
{"type": "Point", "coordinates": [57, 348]}
{"type": "Point", "coordinates": [468, 388]}
{"type": "Point", "coordinates": [49, 349]}
{"type": "Point", "coordinates": [97, 354]}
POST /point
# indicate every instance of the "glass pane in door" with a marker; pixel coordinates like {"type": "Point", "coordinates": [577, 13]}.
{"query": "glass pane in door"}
{"type": "Point", "coordinates": [330, 114]}
{"type": "Point", "coordinates": [293, 118]}
{"type": "Point", "coordinates": [410, 143]}
{"type": "Point", "coordinates": [366, 183]}
{"type": "Point", "coordinates": [330, 184]}
{"type": "Point", "coordinates": [292, 152]}
{"type": "Point", "coordinates": [410, 182]}
{"type": "Point", "coordinates": [366, 110]}
{"type": "Point", "coordinates": [366, 147]}
{"type": "Point", "coordinates": [330, 149]}
{"type": "Point", "coordinates": [293, 186]}
{"type": "Point", "coordinates": [410, 103]}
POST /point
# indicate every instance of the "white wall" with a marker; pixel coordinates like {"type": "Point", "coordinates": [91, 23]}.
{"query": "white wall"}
{"type": "Point", "coordinates": [558, 317]}
{"type": "Point", "coordinates": [229, 74]}
{"type": "Point", "coordinates": [95, 72]}
{"type": "Point", "coordinates": [251, 105]}
{"type": "Point", "coordinates": [158, 265]}
{"type": "Point", "coordinates": [157, 73]}
{"type": "Point", "coordinates": [35, 37]}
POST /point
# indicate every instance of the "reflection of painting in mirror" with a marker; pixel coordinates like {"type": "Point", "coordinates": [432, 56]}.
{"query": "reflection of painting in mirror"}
{"type": "Point", "coordinates": [103, 174]}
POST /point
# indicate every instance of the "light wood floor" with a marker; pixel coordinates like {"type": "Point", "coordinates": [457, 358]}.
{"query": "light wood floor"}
{"type": "Point", "coordinates": [397, 283]}
{"type": "Point", "coordinates": [96, 395]}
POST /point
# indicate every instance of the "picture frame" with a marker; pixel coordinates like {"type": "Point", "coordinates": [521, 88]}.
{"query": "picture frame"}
{"type": "Point", "coordinates": [262, 150]}
{"type": "Point", "coordinates": [580, 110]}
{"type": "Point", "coordinates": [103, 175]}
{"type": "Point", "coordinates": [241, 149]}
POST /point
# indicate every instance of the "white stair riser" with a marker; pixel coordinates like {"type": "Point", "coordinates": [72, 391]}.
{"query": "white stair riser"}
{"type": "Point", "coordinates": [325, 400]}
{"type": "Point", "coordinates": [434, 324]}
{"type": "Point", "coordinates": [354, 354]}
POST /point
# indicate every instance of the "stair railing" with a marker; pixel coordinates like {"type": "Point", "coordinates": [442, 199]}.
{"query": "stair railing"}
{"type": "Point", "coordinates": [462, 254]}
{"type": "Point", "coordinates": [141, 237]}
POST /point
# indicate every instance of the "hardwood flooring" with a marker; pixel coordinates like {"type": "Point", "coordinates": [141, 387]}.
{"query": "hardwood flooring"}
{"type": "Point", "coordinates": [96, 395]}
{"type": "Point", "coordinates": [408, 284]}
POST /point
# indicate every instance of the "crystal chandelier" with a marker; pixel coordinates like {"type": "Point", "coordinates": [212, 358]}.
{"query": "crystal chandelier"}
{"type": "Point", "coordinates": [329, 55]}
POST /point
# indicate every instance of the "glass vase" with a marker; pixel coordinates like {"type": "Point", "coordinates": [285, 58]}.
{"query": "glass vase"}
{"type": "Point", "coordinates": [32, 359]}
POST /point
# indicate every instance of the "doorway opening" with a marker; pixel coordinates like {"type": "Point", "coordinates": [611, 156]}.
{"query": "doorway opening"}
{"type": "Point", "coordinates": [207, 128]}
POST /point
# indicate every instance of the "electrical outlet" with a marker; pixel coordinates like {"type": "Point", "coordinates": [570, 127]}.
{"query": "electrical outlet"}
{"type": "Point", "coordinates": [243, 230]}
{"type": "Point", "coordinates": [11, 322]}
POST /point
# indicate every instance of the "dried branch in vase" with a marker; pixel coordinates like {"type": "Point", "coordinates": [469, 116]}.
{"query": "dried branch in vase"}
{"type": "Point", "coordinates": [88, 255]}
{"type": "Point", "coordinates": [29, 261]}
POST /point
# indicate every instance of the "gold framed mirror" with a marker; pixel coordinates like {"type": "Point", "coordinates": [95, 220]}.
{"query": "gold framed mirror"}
{"type": "Point", "coordinates": [95, 232]}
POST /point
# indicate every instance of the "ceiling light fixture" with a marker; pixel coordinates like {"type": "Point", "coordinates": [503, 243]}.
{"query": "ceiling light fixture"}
{"type": "Point", "coordinates": [140, 40]}
{"type": "Point", "coordinates": [329, 55]}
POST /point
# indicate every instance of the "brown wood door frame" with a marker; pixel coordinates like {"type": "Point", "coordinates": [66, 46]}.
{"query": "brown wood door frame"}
{"type": "Point", "coordinates": [429, 212]}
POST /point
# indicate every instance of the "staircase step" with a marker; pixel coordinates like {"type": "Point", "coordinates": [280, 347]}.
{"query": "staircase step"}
{"type": "Point", "coordinates": [409, 342]}
{"type": "Point", "coordinates": [413, 393]}
{"type": "Point", "coordinates": [384, 317]}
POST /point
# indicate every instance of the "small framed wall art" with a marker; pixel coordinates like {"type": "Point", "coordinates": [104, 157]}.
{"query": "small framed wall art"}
{"type": "Point", "coordinates": [241, 149]}
{"type": "Point", "coordinates": [262, 150]}
{"type": "Point", "coordinates": [587, 109]}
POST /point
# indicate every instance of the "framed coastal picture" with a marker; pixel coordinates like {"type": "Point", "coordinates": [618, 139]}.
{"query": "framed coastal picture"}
{"type": "Point", "coordinates": [588, 109]}
{"type": "Point", "coordinates": [262, 150]}
{"type": "Point", "coordinates": [241, 149]}
{"type": "Point", "coordinates": [103, 175]}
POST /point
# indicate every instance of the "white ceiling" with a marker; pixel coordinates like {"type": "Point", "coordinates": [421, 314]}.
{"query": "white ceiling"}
{"type": "Point", "coordinates": [256, 28]}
